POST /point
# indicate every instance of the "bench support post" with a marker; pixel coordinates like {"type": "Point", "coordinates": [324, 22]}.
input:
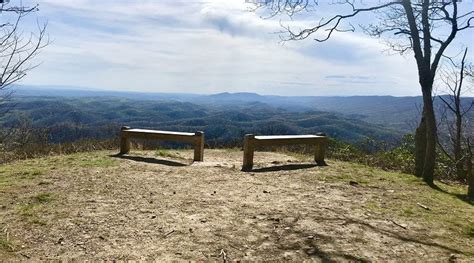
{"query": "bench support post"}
{"type": "Point", "coordinates": [249, 149]}
{"type": "Point", "coordinates": [124, 141]}
{"type": "Point", "coordinates": [199, 146]}
{"type": "Point", "coordinates": [320, 151]}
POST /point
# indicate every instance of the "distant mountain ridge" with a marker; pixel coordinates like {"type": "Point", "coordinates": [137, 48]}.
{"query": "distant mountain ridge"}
{"type": "Point", "coordinates": [400, 113]}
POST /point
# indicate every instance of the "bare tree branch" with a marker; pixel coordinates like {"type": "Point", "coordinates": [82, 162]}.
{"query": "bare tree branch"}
{"type": "Point", "coordinates": [16, 50]}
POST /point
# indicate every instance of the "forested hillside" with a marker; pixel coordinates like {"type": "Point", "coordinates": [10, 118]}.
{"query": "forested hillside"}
{"type": "Point", "coordinates": [396, 113]}
{"type": "Point", "coordinates": [70, 119]}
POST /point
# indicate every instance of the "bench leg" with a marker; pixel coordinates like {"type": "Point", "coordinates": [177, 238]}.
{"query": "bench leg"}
{"type": "Point", "coordinates": [124, 144]}
{"type": "Point", "coordinates": [320, 151]}
{"type": "Point", "coordinates": [199, 147]}
{"type": "Point", "coordinates": [249, 149]}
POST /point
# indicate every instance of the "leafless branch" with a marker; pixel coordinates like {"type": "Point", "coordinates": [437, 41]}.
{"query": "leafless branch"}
{"type": "Point", "coordinates": [17, 50]}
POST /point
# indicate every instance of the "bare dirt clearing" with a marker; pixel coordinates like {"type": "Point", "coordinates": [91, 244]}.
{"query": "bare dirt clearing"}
{"type": "Point", "coordinates": [155, 205]}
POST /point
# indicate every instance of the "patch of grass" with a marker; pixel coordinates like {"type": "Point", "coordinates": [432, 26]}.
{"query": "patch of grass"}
{"type": "Point", "coordinates": [166, 153]}
{"type": "Point", "coordinates": [29, 173]}
{"type": "Point", "coordinates": [234, 149]}
{"type": "Point", "coordinates": [31, 212]}
{"type": "Point", "coordinates": [162, 153]}
{"type": "Point", "coordinates": [299, 156]}
{"type": "Point", "coordinates": [28, 210]}
{"type": "Point", "coordinates": [94, 161]}
{"type": "Point", "coordinates": [35, 208]}
{"type": "Point", "coordinates": [12, 175]}
{"type": "Point", "coordinates": [470, 231]}
{"type": "Point", "coordinates": [7, 245]}
{"type": "Point", "coordinates": [446, 211]}
{"type": "Point", "coordinates": [38, 221]}
{"type": "Point", "coordinates": [407, 212]}
{"type": "Point", "coordinates": [43, 198]}
{"type": "Point", "coordinates": [4, 181]}
{"type": "Point", "coordinates": [402, 197]}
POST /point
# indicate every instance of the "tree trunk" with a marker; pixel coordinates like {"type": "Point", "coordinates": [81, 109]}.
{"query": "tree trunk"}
{"type": "Point", "coordinates": [470, 179]}
{"type": "Point", "coordinates": [431, 136]}
{"type": "Point", "coordinates": [420, 146]}
{"type": "Point", "coordinates": [470, 190]}
{"type": "Point", "coordinates": [470, 174]}
{"type": "Point", "coordinates": [458, 155]}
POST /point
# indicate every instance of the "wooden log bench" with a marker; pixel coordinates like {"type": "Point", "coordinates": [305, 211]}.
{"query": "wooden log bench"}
{"type": "Point", "coordinates": [197, 139]}
{"type": "Point", "coordinates": [251, 142]}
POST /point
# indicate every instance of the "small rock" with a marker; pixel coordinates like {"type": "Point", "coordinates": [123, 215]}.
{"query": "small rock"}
{"type": "Point", "coordinates": [61, 241]}
{"type": "Point", "coordinates": [174, 192]}
{"type": "Point", "coordinates": [310, 237]}
{"type": "Point", "coordinates": [153, 216]}
{"type": "Point", "coordinates": [266, 192]}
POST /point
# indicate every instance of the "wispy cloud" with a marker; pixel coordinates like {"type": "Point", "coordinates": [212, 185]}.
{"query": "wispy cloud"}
{"type": "Point", "coordinates": [204, 47]}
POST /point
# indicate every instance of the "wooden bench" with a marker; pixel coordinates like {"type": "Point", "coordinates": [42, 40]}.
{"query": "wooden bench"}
{"type": "Point", "coordinates": [251, 142]}
{"type": "Point", "coordinates": [197, 139]}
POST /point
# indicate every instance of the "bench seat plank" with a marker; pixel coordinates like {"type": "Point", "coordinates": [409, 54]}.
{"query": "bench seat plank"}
{"type": "Point", "coordinates": [160, 132]}
{"type": "Point", "coordinates": [276, 140]}
{"type": "Point", "coordinates": [282, 137]}
{"type": "Point", "coordinates": [160, 135]}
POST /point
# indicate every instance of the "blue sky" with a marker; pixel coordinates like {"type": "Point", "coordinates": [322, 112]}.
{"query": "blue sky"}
{"type": "Point", "coordinates": [210, 46]}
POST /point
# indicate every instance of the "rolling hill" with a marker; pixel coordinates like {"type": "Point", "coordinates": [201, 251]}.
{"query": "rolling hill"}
{"type": "Point", "coordinates": [400, 114]}
{"type": "Point", "coordinates": [73, 118]}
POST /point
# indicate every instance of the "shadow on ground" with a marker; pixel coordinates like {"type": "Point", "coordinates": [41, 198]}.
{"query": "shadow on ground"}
{"type": "Point", "coordinates": [329, 249]}
{"type": "Point", "coordinates": [148, 160]}
{"type": "Point", "coordinates": [462, 197]}
{"type": "Point", "coordinates": [286, 167]}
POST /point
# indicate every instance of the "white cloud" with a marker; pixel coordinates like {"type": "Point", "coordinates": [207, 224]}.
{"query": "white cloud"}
{"type": "Point", "coordinates": [205, 47]}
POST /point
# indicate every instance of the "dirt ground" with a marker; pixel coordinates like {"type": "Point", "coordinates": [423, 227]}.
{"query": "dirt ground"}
{"type": "Point", "coordinates": [145, 206]}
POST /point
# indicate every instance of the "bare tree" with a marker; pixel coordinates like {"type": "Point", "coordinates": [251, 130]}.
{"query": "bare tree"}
{"type": "Point", "coordinates": [453, 79]}
{"type": "Point", "coordinates": [425, 27]}
{"type": "Point", "coordinates": [17, 49]}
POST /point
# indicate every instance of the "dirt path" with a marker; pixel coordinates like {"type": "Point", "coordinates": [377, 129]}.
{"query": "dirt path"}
{"type": "Point", "coordinates": [142, 207]}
